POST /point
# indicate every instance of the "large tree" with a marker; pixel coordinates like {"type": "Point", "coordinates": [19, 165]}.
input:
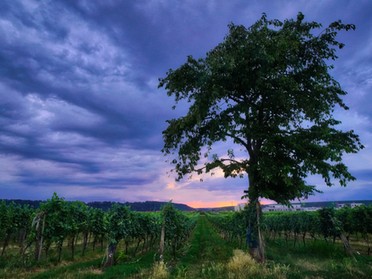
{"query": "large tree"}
{"type": "Point", "coordinates": [269, 89]}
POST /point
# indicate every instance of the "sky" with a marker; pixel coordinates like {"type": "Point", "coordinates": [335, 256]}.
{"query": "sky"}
{"type": "Point", "coordinates": [80, 109]}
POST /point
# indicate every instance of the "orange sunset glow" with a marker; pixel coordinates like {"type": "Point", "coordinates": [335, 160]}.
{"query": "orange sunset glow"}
{"type": "Point", "coordinates": [201, 204]}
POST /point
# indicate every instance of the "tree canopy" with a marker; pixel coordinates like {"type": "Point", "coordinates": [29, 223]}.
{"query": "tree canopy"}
{"type": "Point", "coordinates": [269, 89]}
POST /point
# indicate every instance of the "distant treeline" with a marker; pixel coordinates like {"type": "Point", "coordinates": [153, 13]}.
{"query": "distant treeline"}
{"type": "Point", "coordinates": [106, 205]}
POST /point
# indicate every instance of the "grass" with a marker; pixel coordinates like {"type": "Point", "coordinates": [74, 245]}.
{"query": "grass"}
{"type": "Point", "coordinates": [205, 253]}
{"type": "Point", "coordinates": [88, 266]}
{"type": "Point", "coordinates": [51, 268]}
{"type": "Point", "coordinates": [318, 259]}
{"type": "Point", "coordinates": [205, 243]}
{"type": "Point", "coordinates": [92, 269]}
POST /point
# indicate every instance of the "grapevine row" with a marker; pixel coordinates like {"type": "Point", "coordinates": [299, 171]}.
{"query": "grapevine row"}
{"type": "Point", "coordinates": [327, 223]}
{"type": "Point", "coordinates": [58, 225]}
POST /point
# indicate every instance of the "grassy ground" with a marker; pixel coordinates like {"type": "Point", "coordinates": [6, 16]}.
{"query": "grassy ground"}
{"type": "Point", "coordinates": [88, 266]}
{"type": "Point", "coordinates": [206, 255]}
{"type": "Point", "coordinates": [319, 259]}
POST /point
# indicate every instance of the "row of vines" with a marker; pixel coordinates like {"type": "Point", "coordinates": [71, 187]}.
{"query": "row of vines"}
{"type": "Point", "coordinates": [301, 226]}
{"type": "Point", "coordinates": [57, 225]}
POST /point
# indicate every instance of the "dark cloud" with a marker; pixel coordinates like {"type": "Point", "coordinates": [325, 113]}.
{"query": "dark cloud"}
{"type": "Point", "coordinates": [79, 104]}
{"type": "Point", "coordinates": [69, 72]}
{"type": "Point", "coordinates": [34, 179]}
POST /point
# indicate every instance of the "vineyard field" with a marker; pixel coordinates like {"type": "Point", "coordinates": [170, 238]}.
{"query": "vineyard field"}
{"type": "Point", "coordinates": [72, 240]}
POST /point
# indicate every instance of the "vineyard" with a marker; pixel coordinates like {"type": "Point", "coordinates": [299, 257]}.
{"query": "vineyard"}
{"type": "Point", "coordinates": [327, 224]}
{"type": "Point", "coordinates": [63, 239]}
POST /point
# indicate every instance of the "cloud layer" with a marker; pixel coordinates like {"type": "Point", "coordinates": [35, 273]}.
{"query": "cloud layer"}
{"type": "Point", "coordinates": [80, 112]}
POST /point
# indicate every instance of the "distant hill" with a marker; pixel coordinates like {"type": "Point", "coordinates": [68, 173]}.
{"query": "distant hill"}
{"type": "Point", "coordinates": [106, 205]}
{"type": "Point", "coordinates": [31, 203]}
{"type": "Point", "coordinates": [217, 209]}
{"type": "Point", "coordinates": [141, 206]}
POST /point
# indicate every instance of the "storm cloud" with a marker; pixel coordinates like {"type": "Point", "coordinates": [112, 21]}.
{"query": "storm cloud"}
{"type": "Point", "coordinates": [81, 114]}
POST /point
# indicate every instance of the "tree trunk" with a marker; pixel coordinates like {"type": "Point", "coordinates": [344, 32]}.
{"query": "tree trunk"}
{"type": "Point", "coordinates": [5, 244]}
{"type": "Point", "coordinates": [138, 244]}
{"type": "Point", "coordinates": [174, 249]}
{"type": "Point", "coordinates": [256, 247]}
{"type": "Point", "coordinates": [72, 247]}
{"type": "Point", "coordinates": [38, 247]}
{"type": "Point", "coordinates": [46, 248]}
{"type": "Point", "coordinates": [94, 242]}
{"type": "Point", "coordinates": [126, 246]}
{"type": "Point", "coordinates": [85, 242]}
{"type": "Point", "coordinates": [101, 242]}
{"type": "Point", "coordinates": [295, 239]}
{"type": "Point", "coordinates": [152, 242]}
{"type": "Point", "coordinates": [254, 236]}
{"type": "Point", "coordinates": [22, 239]}
{"type": "Point", "coordinates": [28, 245]}
{"type": "Point", "coordinates": [145, 240]}
{"type": "Point", "coordinates": [303, 238]}
{"type": "Point", "coordinates": [110, 260]}
{"type": "Point", "coordinates": [261, 244]}
{"type": "Point", "coordinates": [60, 244]}
{"type": "Point", "coordinates": [369, 247]}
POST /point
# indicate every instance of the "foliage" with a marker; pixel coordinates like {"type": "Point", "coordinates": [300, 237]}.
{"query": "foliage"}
{"type": "Point", "coordinates": [119, 223]}
{"type": "Point", "coordinates": [267, 88]}
{"type": "Point", "coordinates": [330, 226]}
{"type": "Point", "coordinates": [58, 224]}
{"type": "Point", "coordinates": [177, 227]}
{"type": "Point", "coordinates": [240, 227]}
{"type": "Point", "coordinates": [299, 225]}
{"type": "Point", "coordinates": [15, 222]}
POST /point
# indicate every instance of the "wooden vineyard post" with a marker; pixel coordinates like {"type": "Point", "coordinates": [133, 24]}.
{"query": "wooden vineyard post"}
{"type": "Point", "coordinates": [162, 237]}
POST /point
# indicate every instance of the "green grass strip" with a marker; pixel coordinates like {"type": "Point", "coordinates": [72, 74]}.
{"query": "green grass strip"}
{"type": "Point", "coordinates": [92, 269]}
{"type": "Point", "coordinates": [206, 246]}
